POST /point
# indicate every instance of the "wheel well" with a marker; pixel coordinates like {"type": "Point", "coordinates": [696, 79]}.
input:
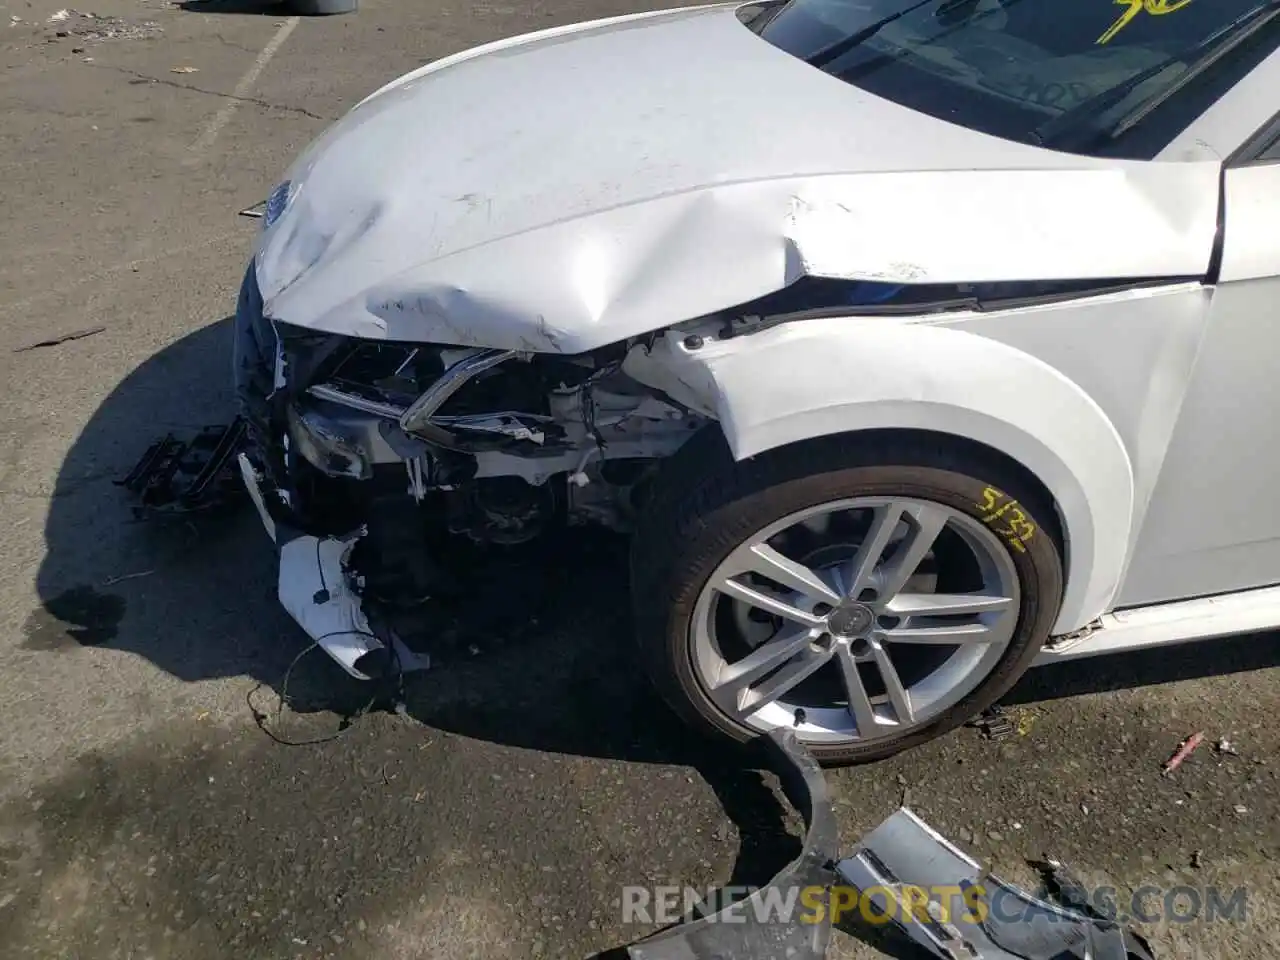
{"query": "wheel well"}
{"type": "Point", "coordinates": [960, 447]}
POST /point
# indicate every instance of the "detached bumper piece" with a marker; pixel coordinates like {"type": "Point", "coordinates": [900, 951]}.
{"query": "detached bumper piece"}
{"type": "Point", "coordinates": [905, 873]}
{"type": "Point", "coordinates": [738, 932]}
{"type": "Point", "coordinates": [318, 587]}
{"type": "Point", "coordinates": [939, 897]}
{"type": "Point", "coordinates": [188, 476]}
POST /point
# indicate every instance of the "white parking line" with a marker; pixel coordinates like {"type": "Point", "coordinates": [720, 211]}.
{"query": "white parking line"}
{"type": "Point", "coordinates": [242, 90]}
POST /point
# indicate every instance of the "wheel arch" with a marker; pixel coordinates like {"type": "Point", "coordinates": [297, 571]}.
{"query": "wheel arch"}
{"type": "Point", "coordinates": [847, 376]}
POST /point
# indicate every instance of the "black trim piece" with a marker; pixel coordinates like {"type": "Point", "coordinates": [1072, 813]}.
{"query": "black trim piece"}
{"type": "Point", "coordinates": [980, 298]}
{"type": "Point", "coordinates": [1086, 289]}
{"type": "Point", "coordinates": [1219, 235]}
{"type": "Point", "coordinates": [1248, 152]}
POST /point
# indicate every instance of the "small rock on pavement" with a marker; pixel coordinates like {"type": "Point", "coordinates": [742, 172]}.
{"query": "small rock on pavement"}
{"type": "Point", "coordinates": [995, 834]}
{"type": "Point", "coordinates": [964, 835]}
{"type": "Point", "coordinates": [1241, 809]}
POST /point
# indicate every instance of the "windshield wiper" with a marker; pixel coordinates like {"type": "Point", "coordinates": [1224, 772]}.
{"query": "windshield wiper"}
{"type": "Point", "coordinates": [1081, 126]}
{"type": "Point", "coordinates": [835, 51]}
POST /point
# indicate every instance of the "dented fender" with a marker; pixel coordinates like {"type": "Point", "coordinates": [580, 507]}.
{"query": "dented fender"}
{"type": "Point", "coordinates": [827, 376]}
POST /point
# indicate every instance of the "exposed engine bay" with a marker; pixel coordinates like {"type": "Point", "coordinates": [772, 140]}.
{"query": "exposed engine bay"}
{"type": "Point", "coordinates": [394, 449]}
{"type": "Point", "coordinates": [497, 443]}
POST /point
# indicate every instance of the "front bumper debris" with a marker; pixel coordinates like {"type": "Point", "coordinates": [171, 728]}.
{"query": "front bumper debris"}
{"type": "Point", "coordinates": [903, 872]}
{"type": "Point", "coordinates": [942, 900]}
{"type": "Point", "coordinates": [316, 583]}
{"type": "Point", "coordinates": [742, 931]}
{"type": "Point", "coordinates": [188, 476]}
{"type": "Point", "coordinates": [318, 588]}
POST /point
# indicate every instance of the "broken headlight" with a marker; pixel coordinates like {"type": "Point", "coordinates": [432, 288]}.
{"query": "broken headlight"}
{"type": "Point", "coordinates": [321, 442]}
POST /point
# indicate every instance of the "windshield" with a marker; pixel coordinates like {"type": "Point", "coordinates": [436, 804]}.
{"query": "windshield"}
{"type": "Point", "coordinates": [1012, 68]}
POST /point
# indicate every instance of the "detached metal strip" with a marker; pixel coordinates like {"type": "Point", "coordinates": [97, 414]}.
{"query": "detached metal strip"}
{"type": "Point", "coordinates": [419, 413]}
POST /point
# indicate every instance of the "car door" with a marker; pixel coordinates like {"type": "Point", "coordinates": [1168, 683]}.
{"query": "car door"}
{"type": "Point", "coordinates": [1213, 524]}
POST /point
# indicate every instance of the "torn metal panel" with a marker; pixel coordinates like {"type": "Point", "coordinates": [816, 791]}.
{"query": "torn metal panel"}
{"type": "Point", "coordinates": [492, 251]}
{"type": "Point", "coordinates": [940, 897]}
{"type": "Point", "coordinates": [313, 589]}
{"type": "Point", "coordinates": [252, 482]}
{"type": "Point", "coordinates": [744, 930]}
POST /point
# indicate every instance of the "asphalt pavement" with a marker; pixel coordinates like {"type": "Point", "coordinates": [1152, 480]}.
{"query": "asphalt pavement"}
{"type": "Point", "coordinates": [144, 812]}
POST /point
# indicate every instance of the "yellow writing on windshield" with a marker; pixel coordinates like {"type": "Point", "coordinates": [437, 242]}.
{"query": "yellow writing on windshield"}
{"type": "Point", "coordinates": [1156, 8]}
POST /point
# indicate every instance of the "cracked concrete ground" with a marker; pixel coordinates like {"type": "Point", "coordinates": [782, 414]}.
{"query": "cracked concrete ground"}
{"type": "Point", "coordinates": [142, 811]}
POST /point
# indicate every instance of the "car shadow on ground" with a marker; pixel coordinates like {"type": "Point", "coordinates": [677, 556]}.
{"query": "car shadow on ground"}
{"type": "Point", "coordinates": [537, 656]}
{"type": "Point", "coordinates": [265, 8]}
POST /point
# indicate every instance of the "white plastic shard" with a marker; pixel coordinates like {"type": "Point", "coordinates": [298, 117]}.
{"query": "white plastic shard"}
{"type": "Point", "coordinates": [253, 484]}
{"type": "Point", "coordinates": [313, 588]}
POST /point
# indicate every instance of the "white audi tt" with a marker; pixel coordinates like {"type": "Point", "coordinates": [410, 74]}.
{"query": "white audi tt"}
{"type": "Point", "coordinates": [914, 343]}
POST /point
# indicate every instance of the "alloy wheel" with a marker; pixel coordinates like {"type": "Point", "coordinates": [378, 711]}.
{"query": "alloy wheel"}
{"type": "Point", "coordinates": [855, 620]}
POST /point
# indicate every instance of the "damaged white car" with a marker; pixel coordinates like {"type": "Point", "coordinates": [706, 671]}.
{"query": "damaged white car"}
{"type": "Point", "coordinates": [916, 343]}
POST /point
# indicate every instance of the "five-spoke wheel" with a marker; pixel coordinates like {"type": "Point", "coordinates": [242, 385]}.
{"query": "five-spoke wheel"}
{"type": "Point", "coordinates": [869, 597]}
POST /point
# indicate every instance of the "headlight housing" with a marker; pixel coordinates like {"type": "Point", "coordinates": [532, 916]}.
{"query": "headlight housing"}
{"type": "Point", "coordinates": [278, 203]}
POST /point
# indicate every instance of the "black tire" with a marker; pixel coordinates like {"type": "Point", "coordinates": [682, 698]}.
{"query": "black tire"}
{"type": "Point", "coordinates": [704, 505]}
{"type": "Point", "coordinates": [322, 8]}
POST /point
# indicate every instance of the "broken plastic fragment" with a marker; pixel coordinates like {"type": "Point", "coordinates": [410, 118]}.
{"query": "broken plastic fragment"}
{"type": "Point", "coordinates": [742, 930]}
{"type": "Point", "coordinates": [939, 897]}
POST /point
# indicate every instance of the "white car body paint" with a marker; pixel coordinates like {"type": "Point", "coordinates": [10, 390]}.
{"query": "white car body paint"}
{"type": "Point", "coordinates": [312, 587]}
{"type": "Point", "coordinates": [850, 375]}
{"type": "Point", "coordinates": [1162, 624]}
{"type": "Point", "coordinates": [654, 215]}
{"type": "Point", "coordinates": [493, 199]}
{"type": "Point", "coordinates": [519, 40]}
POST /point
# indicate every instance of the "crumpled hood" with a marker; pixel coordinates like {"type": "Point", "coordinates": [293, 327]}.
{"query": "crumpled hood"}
{"type": "Point", "coordinates": [567, 190]}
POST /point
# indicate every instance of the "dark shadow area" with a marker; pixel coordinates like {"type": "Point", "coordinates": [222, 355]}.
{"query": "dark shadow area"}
{"type": "Point", "coordinates": [266, 8]}
{"type": "Point", "coordinates": [1147, 668]}
{"type": "Point", "coordinates": [536, 654]}
{"type": "Point", "coordinates": [194, 596]}
{"type": "Point", "coordinates": [200, 844]}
